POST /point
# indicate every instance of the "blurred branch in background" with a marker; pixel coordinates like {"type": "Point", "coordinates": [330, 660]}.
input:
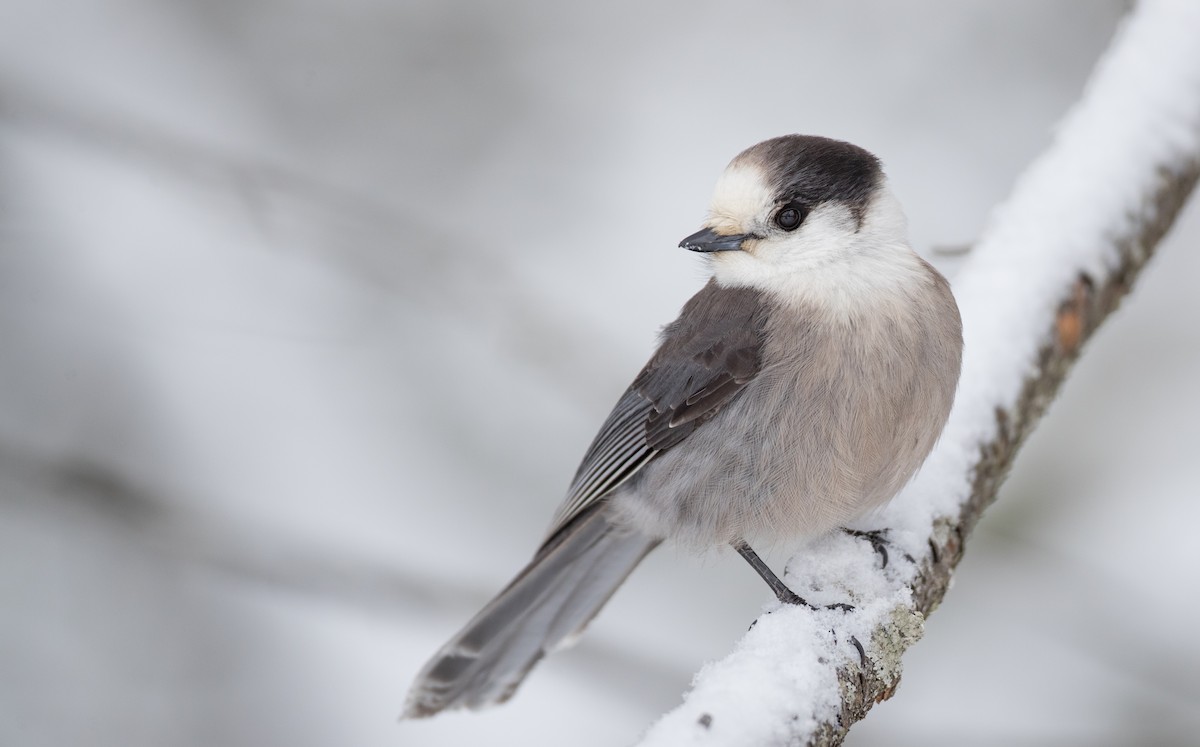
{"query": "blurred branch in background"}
{"type": "Point", "coordinates": [431, 268]}
{"type": "Point", "coordinates": [428, 270]}
{"type": "Point", "coordinates": [169, 526]}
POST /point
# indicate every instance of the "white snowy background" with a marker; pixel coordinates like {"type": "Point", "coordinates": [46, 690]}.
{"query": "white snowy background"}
{"type": "Point", "coordinates": [308, 311]}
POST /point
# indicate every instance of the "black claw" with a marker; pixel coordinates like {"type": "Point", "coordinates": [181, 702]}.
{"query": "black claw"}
{"type": "Point", "coordinates": [878, 541]}
{"type": "Point", "coordinates": [862, 654]}
{"type": "Point", "coordinates": [840, 606]}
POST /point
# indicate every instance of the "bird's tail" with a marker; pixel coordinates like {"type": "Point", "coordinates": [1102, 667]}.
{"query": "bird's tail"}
{"type": "Point", "coordinates": [544, 607]}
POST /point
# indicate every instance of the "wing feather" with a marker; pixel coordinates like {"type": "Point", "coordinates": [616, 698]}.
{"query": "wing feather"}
{"type": "Point", "coordinates": [704, 360]}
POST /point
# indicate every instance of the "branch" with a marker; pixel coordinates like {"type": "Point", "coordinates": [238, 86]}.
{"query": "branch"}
{"type": "Point", "coordinates": [1055, 261]}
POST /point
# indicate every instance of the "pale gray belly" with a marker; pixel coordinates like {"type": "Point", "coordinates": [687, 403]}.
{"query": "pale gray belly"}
{"type": "Point", "coordinates": [798, 453]}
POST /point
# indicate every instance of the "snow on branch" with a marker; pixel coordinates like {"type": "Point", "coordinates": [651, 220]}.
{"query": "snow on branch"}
{"type": "Point", "coordinates": [1054, 261]}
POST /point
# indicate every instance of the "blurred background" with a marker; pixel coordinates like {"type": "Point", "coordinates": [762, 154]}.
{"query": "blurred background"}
{"type": "Point", "coordinates": [309, 309]}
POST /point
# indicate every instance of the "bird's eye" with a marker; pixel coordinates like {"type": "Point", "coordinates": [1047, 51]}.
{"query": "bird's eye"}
{"type": "Point", "coordinates": [790, 217]}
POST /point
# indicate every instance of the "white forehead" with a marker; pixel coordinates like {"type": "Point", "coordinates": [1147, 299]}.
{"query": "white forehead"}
{"type": "Point", "coordinates": [741, 193]}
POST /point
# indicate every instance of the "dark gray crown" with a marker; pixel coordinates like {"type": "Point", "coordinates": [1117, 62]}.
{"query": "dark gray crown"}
{"type": "Point", "coordinates": [812, 170]}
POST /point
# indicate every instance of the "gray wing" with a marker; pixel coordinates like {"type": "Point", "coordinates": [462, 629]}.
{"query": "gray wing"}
{"type": "Point", "coordinates": [705, 358]}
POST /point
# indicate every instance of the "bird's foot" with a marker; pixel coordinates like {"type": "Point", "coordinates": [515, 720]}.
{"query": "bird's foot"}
{"type": "Point", "coordinates": [879, 543]}
{"type": "Point", "coordinates": [782, 592]}
{"type": "Point", "coordinates": [787, 596]}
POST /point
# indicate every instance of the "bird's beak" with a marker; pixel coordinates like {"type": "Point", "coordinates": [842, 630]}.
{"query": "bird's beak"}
{"type": "Point", "coordinates": [708, 240]}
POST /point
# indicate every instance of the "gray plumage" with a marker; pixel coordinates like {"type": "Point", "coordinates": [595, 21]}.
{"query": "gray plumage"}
{"type": "Point", "coordinates": [552, 599]}
{"type": "Point", "coordinates": [704, 359]}
{"type": "Point", "coordinates": [814, 439]}
{"type": "Point", "coordinates": [801, 387]}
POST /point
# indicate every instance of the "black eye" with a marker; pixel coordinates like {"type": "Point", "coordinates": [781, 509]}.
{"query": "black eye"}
{"type": "Point", "coordinates": [790, 217]}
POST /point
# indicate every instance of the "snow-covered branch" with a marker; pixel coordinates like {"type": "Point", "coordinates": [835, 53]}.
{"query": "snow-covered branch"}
{"type": "Point", "coordinates": [1056, 259]}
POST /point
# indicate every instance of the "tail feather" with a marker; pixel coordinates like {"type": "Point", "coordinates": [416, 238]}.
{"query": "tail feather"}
{"type": "Point", "coordinates": [544, 608]}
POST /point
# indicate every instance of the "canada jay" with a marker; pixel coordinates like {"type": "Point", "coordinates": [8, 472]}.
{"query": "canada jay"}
{"type": "Point", "coordinates": [801, 387]}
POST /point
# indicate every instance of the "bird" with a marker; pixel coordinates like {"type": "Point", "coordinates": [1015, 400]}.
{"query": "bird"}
{"type": "Point", "coordinates": [801, 387]}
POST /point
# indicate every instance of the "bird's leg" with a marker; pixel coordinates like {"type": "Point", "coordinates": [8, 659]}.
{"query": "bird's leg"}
{"type": "Point", "coordinates": [785, 595]}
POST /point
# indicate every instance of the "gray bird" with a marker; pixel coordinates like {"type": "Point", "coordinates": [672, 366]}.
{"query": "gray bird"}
{"type": "Point", "coordinates": [800, 388]}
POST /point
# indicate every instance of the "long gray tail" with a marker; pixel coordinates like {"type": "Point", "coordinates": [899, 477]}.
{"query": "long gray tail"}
{"type": "Point", "coordinates": [547, 604]}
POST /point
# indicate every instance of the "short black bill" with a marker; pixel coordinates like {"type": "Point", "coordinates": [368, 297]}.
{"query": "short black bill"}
{"type": "Point", "coordinates": [709, 240]}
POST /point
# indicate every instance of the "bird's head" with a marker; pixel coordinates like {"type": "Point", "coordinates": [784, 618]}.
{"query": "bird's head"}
{"type": "Point", "coordinates": [795, 204]}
